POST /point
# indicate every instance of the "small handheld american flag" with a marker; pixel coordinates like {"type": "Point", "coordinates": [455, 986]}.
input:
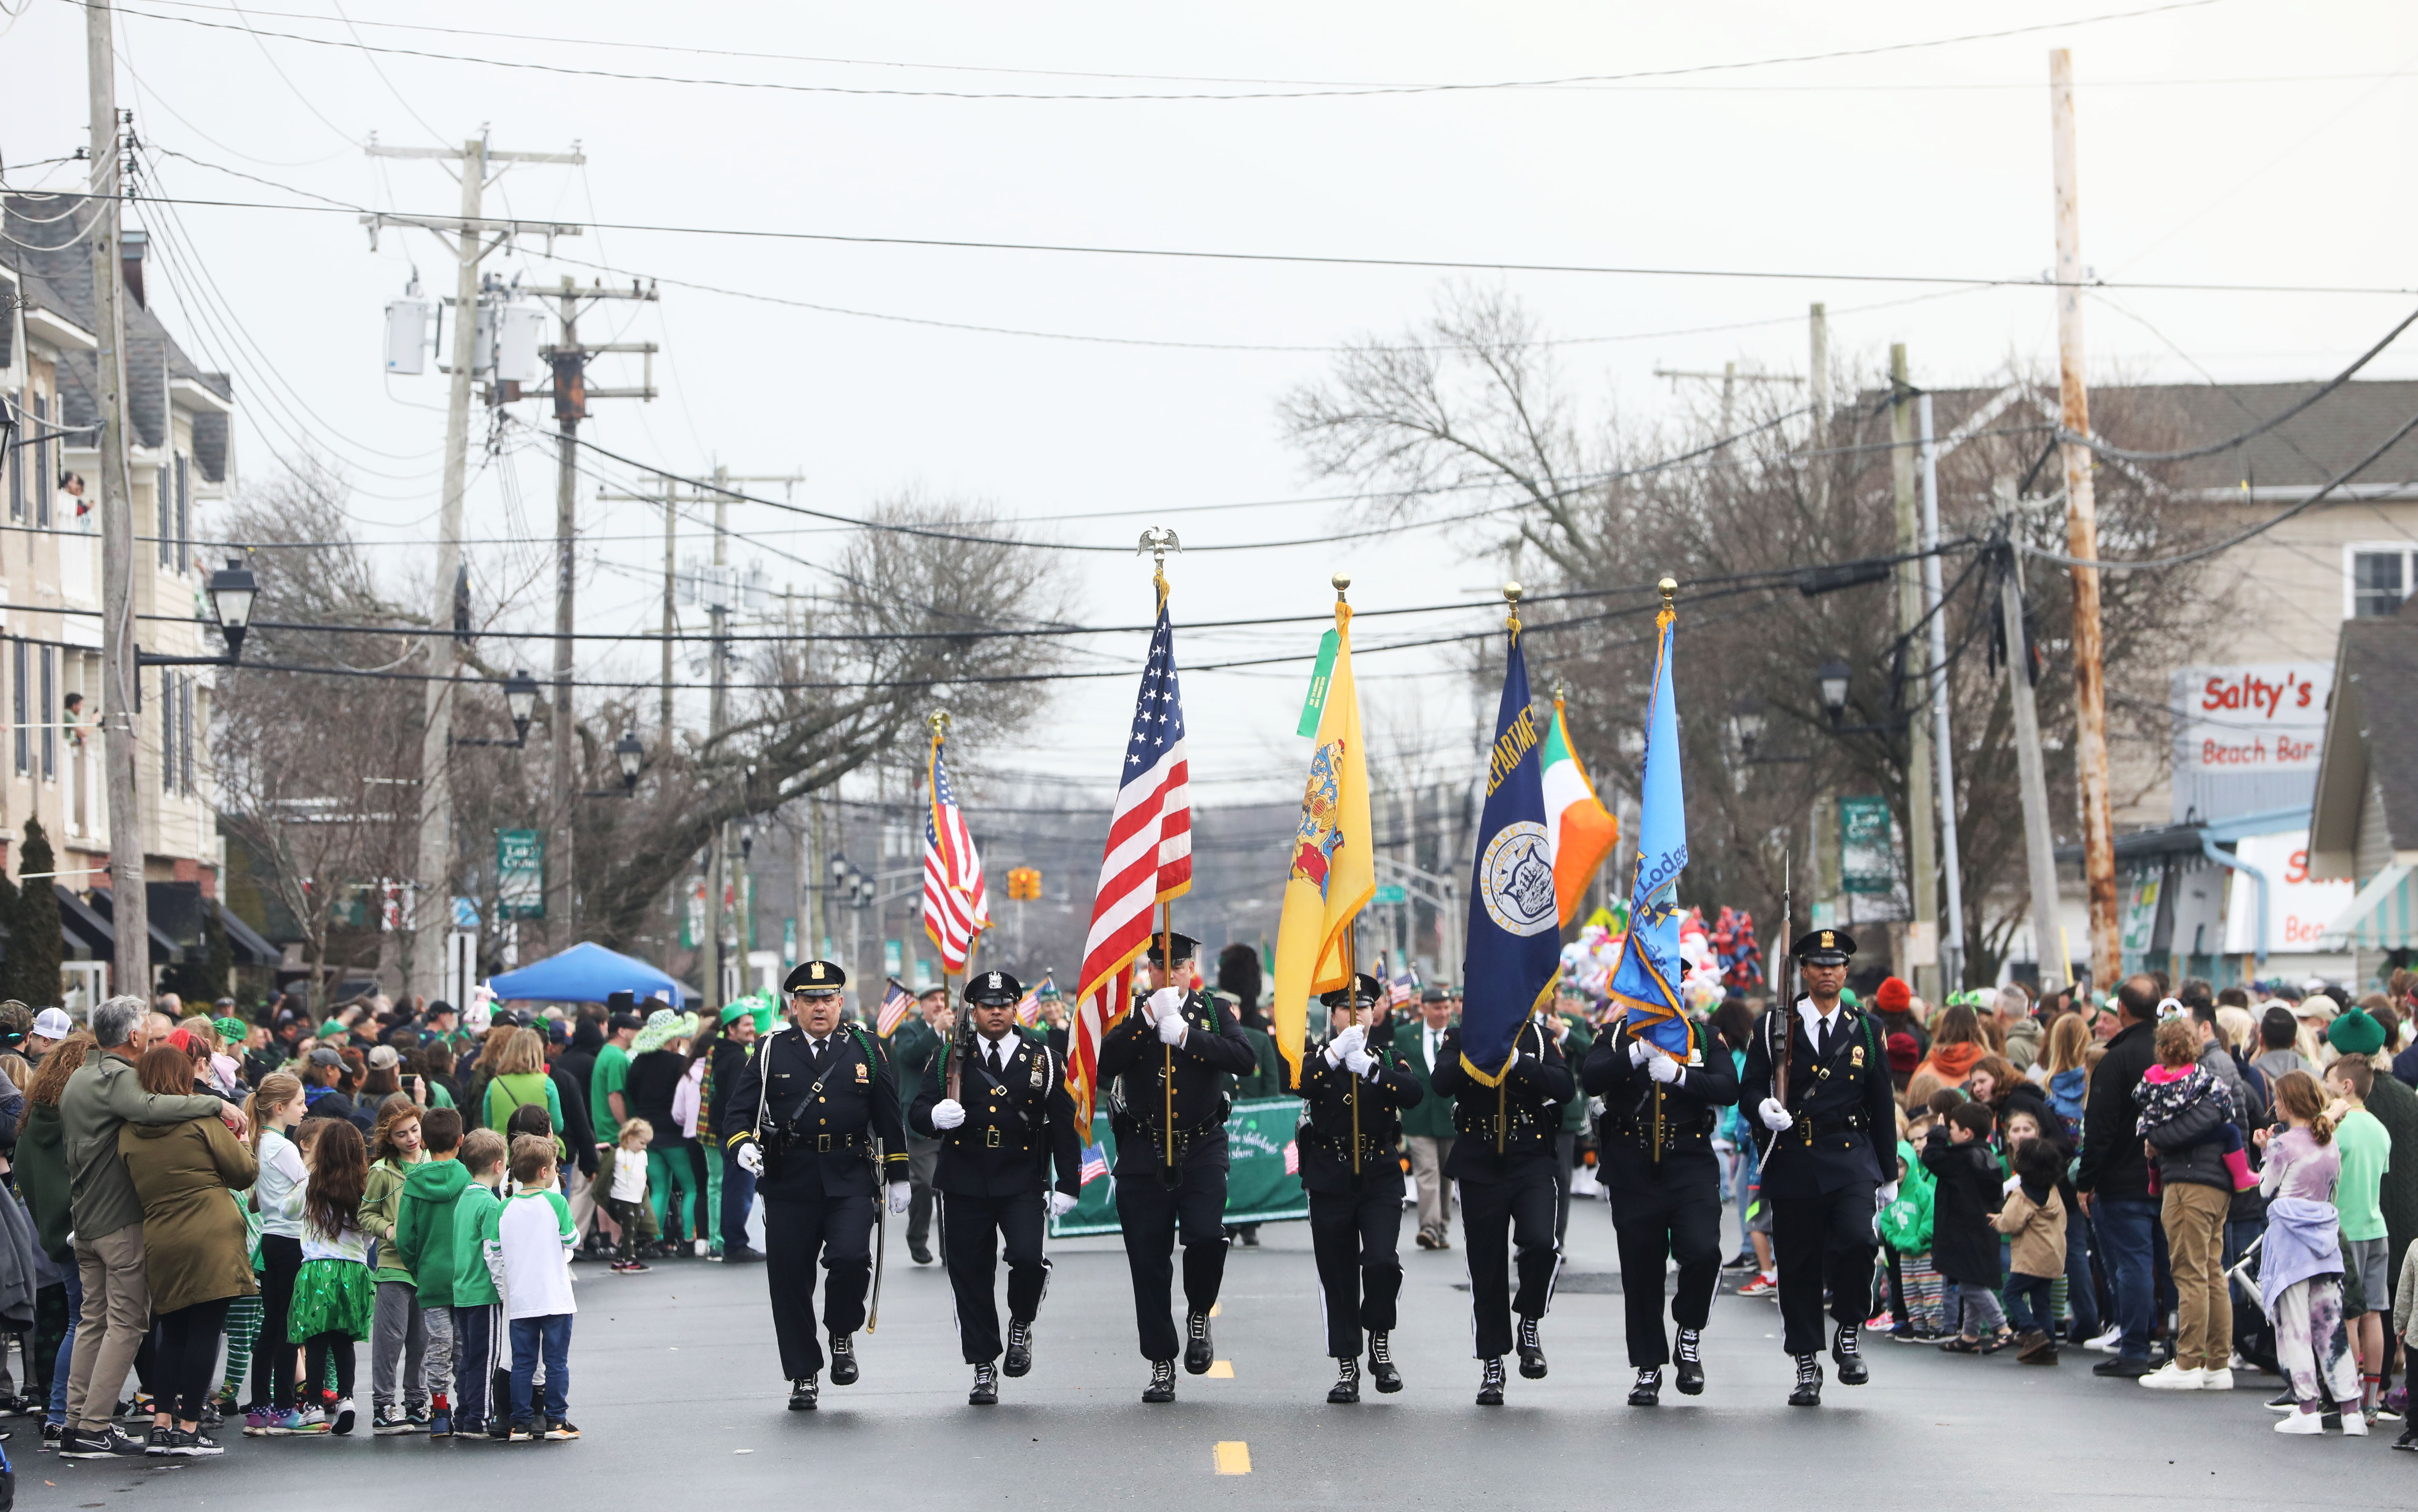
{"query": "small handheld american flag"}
{"type": "Point", "coordinates": [895, 1006]}
{"type": "Point", "coordinates": [1095, 1163]}
{"type": "Point", "coordinates": [955, 907]}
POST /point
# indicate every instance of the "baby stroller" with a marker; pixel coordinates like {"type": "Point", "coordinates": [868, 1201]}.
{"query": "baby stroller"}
{"type": "Point", "coordinates": [2254, 1332]}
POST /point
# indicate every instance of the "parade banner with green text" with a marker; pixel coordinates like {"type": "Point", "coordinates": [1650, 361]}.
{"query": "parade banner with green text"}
{"type": "Point", "coordinates": [1261, 1186]}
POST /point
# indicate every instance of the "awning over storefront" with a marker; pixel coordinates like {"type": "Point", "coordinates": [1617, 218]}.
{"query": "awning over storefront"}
{"type": "Point", "coordinates": [2383, 915]}
{"type": "Point", "coordinates": [245, 942]}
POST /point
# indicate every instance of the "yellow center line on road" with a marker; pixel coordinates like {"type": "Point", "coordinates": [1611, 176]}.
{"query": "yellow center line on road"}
{"type": "Point", "coordinates": [1221, 1369]}
{"type": "Point", "coordinates": [1233, 1457]}
{"type": "Point", "coordinates": [1217, 1307]}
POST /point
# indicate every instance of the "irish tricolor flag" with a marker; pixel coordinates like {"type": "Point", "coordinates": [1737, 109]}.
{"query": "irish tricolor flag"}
{"type": "Point", "coordinates": [1581, 829]}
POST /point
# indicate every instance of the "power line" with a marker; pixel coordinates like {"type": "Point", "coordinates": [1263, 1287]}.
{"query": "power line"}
{"type": "Point", "coordinates": [1284, 92]}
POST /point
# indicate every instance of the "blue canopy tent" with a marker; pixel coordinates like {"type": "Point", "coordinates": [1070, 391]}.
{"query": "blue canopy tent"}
{"type": "Point", "coordinates": [588, 972]}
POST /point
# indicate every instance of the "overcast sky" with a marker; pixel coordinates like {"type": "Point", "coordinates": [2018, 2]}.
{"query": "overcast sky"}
{"type": "Point", "coordinates": [2234, 142]}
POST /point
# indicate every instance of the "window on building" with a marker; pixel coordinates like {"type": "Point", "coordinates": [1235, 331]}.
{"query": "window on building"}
{"type": "Point", "coordinates": [184, 513]}
{"type": "Point", "coordinates": [48, 716]}
{"type": "Point", "coordinates": [167, 732]}
{"type": "Point", "coordinates": [19, 714]}
{"type": "Point", "coordinates": [161, 491]}
{"type": "Point", "coordinates": [46, 481]}
{"type": "Point", "coordinates": [186, 765]}
{"type": "Point", "coordinates": [2379, 580]}
{"type": "Point", "coordinates": [19, 458]}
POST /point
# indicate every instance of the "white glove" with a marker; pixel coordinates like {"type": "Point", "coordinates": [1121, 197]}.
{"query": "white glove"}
{"type": "Point", "coordinates": [1170, 1029]}
{"type": "Point", "coordinates": [902, 1195]}
{"type": "Point", "coordinates": [1665, 1068]}
{"type": "Point", "coordinates": [1165, 1001]}
{"type": "Point", "coordinates": [1775, 1116]}
{"type": "Point", "coordinates": [1353, 1038]}
{"type": "Point", "coordinates": [751, 1157]}
{"type": "Point", "coordinates": [1360, 1060]}
{"type": "Point", "coordinates": [948, 1113]}
{"type": "Point", "coordinates": [1887, 1193]}
{"type": "Point", "coordinates": [1062, 1203]}
{"type": "Point", "coordinates": [1637, 1052]}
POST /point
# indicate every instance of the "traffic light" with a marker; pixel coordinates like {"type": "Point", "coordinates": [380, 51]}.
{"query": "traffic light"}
{"type": "Point", "coordinates": [1023, 883]}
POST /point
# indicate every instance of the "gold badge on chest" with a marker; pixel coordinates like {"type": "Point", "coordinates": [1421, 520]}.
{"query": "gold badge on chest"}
{"type": "Point", "coordinates": [864, 1072]}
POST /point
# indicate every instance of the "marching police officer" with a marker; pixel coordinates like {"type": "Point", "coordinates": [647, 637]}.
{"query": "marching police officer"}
{"type": "Point", "coordinates": [1655, 1157]}
{"type": "Point", "coordinates": [815, 1116]}
{"type": "Point", "coordinates": [1353, 1090]}
{"type": "Point", "coordinates": [1819, 1084]}
{"type": "Point", "coordinates": [1506, 1143]}
{"type": "Point", "coordinates": [1171, 1055]}
{"type": "Point", "coordinates": [997, 1102]}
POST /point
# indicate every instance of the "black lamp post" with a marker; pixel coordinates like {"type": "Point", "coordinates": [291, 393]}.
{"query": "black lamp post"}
{"type": "Point", "coordinates": [520, 701]}
{"type": "Point", "coordinates": [1832, 678]}
{"type": "Point", "coordinates": [628, 755]}
{"type": "Point", "coordinates": [231, 592]}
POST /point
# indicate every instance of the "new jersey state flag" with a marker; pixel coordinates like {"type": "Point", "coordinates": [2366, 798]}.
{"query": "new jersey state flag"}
{"type": "Point", "coordinates": [1514, 917]}
{"type": "Point", "coordinates": [1647, 983]}
{"type": "Point", "coordinates": [1334, 862]}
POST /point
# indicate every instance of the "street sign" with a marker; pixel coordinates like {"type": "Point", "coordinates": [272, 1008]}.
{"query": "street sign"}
{"type": "Point", "coordinates": [520, 874]}
{"type": "Point", "coordinates": [1867, 853]}
{"type": "Point", "coordinates": [1390, 893]}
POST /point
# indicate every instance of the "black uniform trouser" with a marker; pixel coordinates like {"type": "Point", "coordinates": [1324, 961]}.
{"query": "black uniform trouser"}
{"type": "Point", "coordinates": [1496, 1216]}
{"type": "Point", "coordinates": [972, 1228]}
{"type": "Point", "coordinates": [922, 1162]}
{"type": "Point", "coordinates": [1658, 1216]}
{"type": "Point", "coordinates": [799, 1233]}
{"type": "Point", "coordinates": [1357, 1239]}
{"type": "Point", "coordinates": [1148, 1212]}
{"type": "Point", "coordinates": [1821, 1238]}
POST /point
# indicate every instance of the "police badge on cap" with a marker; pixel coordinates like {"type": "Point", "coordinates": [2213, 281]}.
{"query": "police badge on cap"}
{"type": "Point", "coordinates": [815, 979]}
{"type": "Point", "coordinates": [993, 989]}
{"type": "Point", "coordinates": [1824, 947]}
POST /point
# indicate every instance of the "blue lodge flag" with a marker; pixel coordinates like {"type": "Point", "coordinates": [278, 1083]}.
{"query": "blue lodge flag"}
{"type": "Point", "coordinates": [1514, 919]}
{"type": "Point", "coordinates": [1647, 982]}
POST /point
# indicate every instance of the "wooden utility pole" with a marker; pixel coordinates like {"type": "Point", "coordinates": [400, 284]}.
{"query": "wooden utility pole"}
{"type": "Point", "coordinates": [1951, 931]}
{"type": "Point", "coordinates": [2082, 543]}
{"type": "Point", "coordinates": [129, 917]}
{"type": "Point", "coordinates": [1924, 881]}
{"type": "Point", "coordinates": [430, 903]}
{"type": "Point", "coordinates": [571, 392]}
{"type": "Point", "coordinates": [2039, 847]}
{"type": "Point", "coordinates": [1818, 379]}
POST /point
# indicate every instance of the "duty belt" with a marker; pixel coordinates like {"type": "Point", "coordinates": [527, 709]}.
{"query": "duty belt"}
{"type": "Point", "coordinates": [990, 1140]}
{"type": "Point", "coordinates": [1806, 1127]}
{"type": "Point", "coordinates": [825, 1143]}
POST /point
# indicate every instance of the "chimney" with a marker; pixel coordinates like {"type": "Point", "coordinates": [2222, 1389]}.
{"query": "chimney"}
{"type": "Point", "coordinates": [132, 245]}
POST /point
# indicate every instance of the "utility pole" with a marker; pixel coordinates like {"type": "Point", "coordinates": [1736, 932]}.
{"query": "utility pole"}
{"type": "Point", "coordinates": [129, 916]}
{"type": "Point", "coordinates": [1818, 369]}
{"type": "Point", "coordinates": [2040, 848]}
{"type": "Point", "coordinates": [1952, 942]}
{"type": "Point", "coordinates": [2082, 543]}
{"type": "Point", "coordinates": [716, 707]}
{"type": "Point", "coordinates": [671, 612]}
{"type": "Point", "coordinates": [571, 393]}
{"type": "Point", "coordinates": [432, 897]}
{"type": "Point", "coordinates": [1924, 939]}
{"type": "Point", "coordinates": [1729, 377]}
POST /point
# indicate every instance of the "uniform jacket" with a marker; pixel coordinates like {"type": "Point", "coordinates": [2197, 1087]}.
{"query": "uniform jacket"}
{"type": "Point", "coordinates": [1506, 1132]}
{"type": "Point", "coordinates": [1575, 1046]}
{"type": "Point", "coordinates": [1267, 1077]}
{"type": "Point", "coordinates": [1964, 1243]}
{"type": "Point", "coordinates": [1324, 1134]}
{"type": "Point", "coordinates": [194, 1248]}
{"type": "Point", "coordinates": [1016, 1122]}
{"type": "Point", "coordinates": [1846, 1113]}
{"type": "Point", "coordinates": [1431, 1118]}
{"type": "Point", "coordinates": [816, 1126]}
{"type": "Point", "coordinates": [1130, 1056]}
{"type": "Point", "coordinates": [1689, 1107]}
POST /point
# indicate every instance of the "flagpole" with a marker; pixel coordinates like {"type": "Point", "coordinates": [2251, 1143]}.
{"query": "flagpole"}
{"type": "Point", "coordinates": [1158, 541]}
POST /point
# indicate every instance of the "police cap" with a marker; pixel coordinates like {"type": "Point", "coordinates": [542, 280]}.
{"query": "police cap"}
{"type": "Point", "coordinates": [1187, 948]}
{"type": "Point", "coordinates": [993, 989]}
{"type": "Point", "coordinates": [1369, 991]}
{"type": "Point", "coordinates": [815, 979]}
{"type": "Point", "coordinates": [1824, 947]}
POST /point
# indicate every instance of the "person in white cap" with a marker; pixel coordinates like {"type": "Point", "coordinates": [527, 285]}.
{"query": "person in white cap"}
{"type": "Point", "coordinates": [50, 1025]}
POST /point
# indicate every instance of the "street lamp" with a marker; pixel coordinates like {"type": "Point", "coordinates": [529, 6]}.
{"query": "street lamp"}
{"type": "Point", "coordinates": [231, 592]}
{"type": "Point", "coordinates": [1832, 678]}
{"type": "Point", "coordinates": [628, 755]}
{"type": "Point", "coordinates": [520, 701]}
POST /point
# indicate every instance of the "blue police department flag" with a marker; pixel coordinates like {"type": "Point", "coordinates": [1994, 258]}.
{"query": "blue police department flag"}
{"type": "Point", "coordinates": [1514, 922]}
{"type": "Point", "coordinates": [1647, 982]}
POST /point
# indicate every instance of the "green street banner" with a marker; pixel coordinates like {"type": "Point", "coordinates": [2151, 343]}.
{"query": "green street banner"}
{"type": "Point", "coordinates": [1261, 1186]}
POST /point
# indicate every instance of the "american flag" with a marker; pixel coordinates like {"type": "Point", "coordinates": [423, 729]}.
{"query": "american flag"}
{"type": "Point", "coordinates": [954, 907]}
{"type": "Point", "coordinates": [1292, 1157]}
{"type": "Point", "coordinates": [895, 1006]}
{"type": "Point", "coordinates": [1403, 986]}
{"type": "Point", "coordinates": [1028, 1012]}
{"type": "Point", "coordinates": [1095, 1163]}
{"type": "Point", "coordinates": [1148, 859]}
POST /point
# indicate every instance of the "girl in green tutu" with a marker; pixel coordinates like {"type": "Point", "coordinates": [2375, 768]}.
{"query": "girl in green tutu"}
{"type": "Point", "coordinates": [335, 1300]}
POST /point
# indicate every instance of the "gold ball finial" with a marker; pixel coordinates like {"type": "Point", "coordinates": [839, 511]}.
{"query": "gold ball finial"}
{"type": "Point", "coordinates": [1669, 587]}
{"type": "Point", "coordinates": [1342, 581]}
{"type": "Point", "coordinates": [1512, 590]}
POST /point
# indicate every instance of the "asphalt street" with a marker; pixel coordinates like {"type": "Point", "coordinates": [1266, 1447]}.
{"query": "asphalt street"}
{"type": "Point", "coordinates": [677, 1389]}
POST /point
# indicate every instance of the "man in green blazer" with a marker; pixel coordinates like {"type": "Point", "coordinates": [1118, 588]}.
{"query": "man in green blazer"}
{"type": "Point", "coordinates": [1427, 1125]}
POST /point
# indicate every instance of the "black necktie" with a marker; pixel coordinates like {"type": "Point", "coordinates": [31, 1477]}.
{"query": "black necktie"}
{"type": "Point", "coordinates": [998, 1057]}
{"type": "Point", "coordinates": [821, 1049]}
{"type": "Point", "coordinates": [1822, 1040]}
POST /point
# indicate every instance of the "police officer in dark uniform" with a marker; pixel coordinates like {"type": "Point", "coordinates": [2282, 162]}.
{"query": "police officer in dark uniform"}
{"type": "Point", "coordinates": [1506, 1143]}
{"type": "Point", "coordinates": [1819, 1083]}
{"type": "Point", "coordinates": [816, 1117]}
{"type": "Point", "coordinates": [1655, 1158]}
{"type": "Point", "coordinates": [1179, 1042]}
{"type": "Point", "coordinates": [997, 1102]}
{"type": "Point", "coordinates": [1354, 1088]}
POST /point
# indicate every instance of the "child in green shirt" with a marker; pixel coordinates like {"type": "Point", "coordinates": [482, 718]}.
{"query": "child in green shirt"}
{"type": "Point", "coordinates": [479, 1399]}
{"type": "Point", "coordinates": [2366, 1154]}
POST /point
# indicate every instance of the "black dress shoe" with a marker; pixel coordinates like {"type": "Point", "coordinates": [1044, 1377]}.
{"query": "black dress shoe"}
{"type": "Point", "coordinates": [1809, 1383]}
{"type": "Point", "coordinates": [801, 1394]}
{"type": "Point", "coordinates": [1531, 1352]}
{"type": "Point", "coordinates": [1346, 1389]}
{"type": "Point", "coordinates": [1648, 1390]}
{"type": "Point", "coordinates": [919, 1251]}
{"type": "Point", "coordinates": [986, 1391]}
{"type": "Point", "coordinates": [1381, 1363]}
{"type": "Point", "coordinates": [843, 1360]}
{"type": "Point", "coordinates": [1849, 1359]}
{"type": "Point", "coordinates": [740, 1255]}
{"type": "Point", "coordinates": [1489, 1385]}
{"type": "Point", "coordinates": [1691, 1362]}
{"type": "Point", "coordinates": [1199, 1349]}
{"type": "Point", "coordinates": [1162, 1381]}
{"type": "Point", "coordinates": [1019, 1348]}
